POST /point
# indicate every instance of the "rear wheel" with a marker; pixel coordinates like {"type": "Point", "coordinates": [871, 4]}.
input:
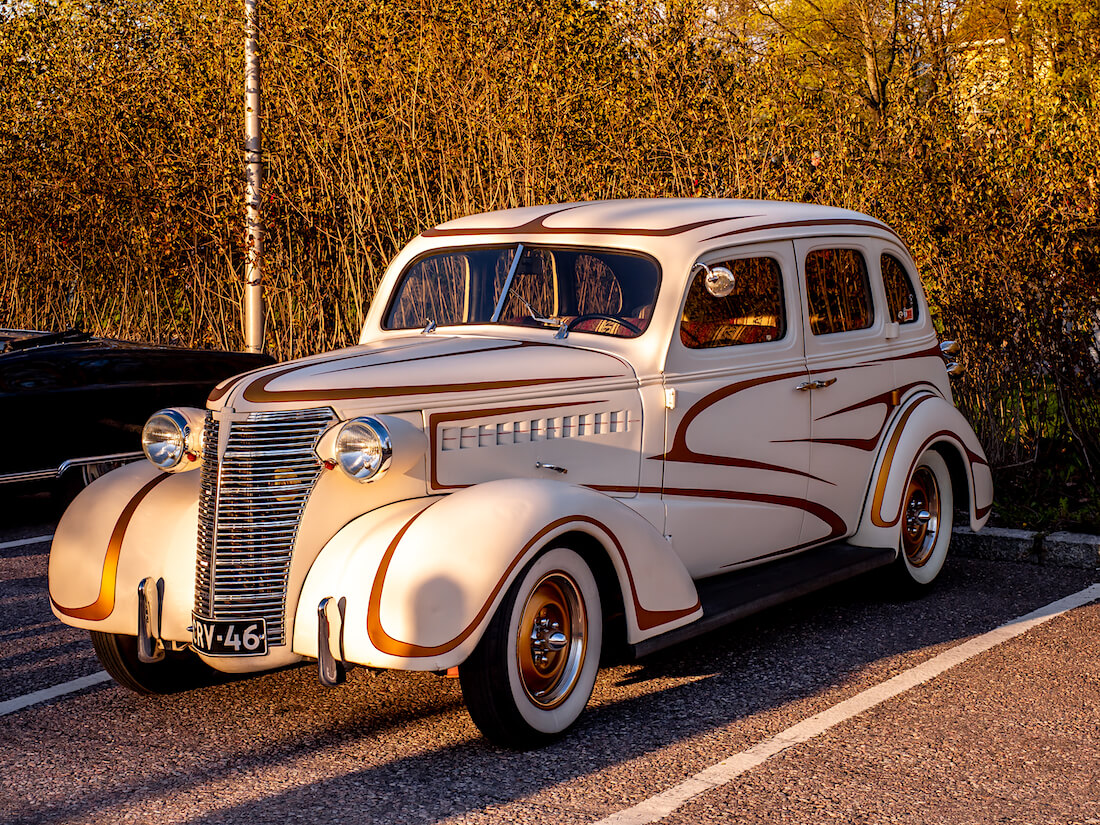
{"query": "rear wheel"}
{"type": "Point", "coordinates": [926, 519]}
{"type": "Point", "coordinates": [177, 671]}
{"type": "Point", "coordinates": [533, 671]}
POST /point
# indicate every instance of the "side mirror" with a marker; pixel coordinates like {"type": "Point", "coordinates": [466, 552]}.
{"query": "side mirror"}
{"type": "Point", "coordinates": [718, 280]}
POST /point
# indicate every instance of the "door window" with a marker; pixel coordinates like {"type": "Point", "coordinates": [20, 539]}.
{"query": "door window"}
{"type": "Point", "coordinates": [752, 313]}
{"type": "Point", "coordinates": [838, 291]}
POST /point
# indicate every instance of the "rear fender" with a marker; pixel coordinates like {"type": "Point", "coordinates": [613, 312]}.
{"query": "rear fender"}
{"type": "Point", "coordinates": [926, 422]}
{"type": "Point", "coordinates": [422, 578]}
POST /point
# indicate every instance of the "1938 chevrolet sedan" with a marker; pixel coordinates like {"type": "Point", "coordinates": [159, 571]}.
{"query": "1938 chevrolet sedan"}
{"type": "Point", "coordinates": [618, 422]}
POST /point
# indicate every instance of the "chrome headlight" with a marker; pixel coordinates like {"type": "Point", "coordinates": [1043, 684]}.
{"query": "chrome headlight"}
{"type": "Point", "coordinates": [172, 439]}
{"type": "Point", "coordinates": [363, 449]}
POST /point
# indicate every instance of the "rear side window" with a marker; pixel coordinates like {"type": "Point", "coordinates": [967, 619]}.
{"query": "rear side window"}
{"type": "Point", "coordinates": [901, 298]}
{"type": "Point", "coordinates": [838, 291]}
{"type": "Point", "coordinates": [752, 313]}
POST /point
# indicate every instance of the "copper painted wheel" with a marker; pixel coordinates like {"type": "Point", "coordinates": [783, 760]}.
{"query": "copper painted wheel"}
{"type": "Point", "coordinates": [922, 517]}
{"type": "Point", "coordinates": [534, 668]}
{"type": "Point", "coordinates": [925, 523]}
{"type": "Point", "coordinates": [550, 646]}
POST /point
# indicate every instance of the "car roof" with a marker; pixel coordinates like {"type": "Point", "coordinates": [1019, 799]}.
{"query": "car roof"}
{"type": "Point", "coordinates": [697, 219]}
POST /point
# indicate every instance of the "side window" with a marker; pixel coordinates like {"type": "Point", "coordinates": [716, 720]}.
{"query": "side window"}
{"type": "Point", "coordinates": [751, 314]}
{"type": "Point", "coordinates": [838, 291]}
{"type": "Point", "coordinates": [901, 298]}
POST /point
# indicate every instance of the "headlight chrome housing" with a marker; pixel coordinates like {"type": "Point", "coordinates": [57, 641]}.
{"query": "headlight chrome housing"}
{"type": "Point", "coordinates": [172, 439]}
{"type": "Point", "coordinates": [363, 449]}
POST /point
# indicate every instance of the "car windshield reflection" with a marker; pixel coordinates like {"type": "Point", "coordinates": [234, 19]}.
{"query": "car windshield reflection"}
{"type": "Point", "coordinates": [606, 292]}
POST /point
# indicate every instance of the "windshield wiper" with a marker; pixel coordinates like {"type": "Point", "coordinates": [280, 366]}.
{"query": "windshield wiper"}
{"type": "Point", "coordinates": [550, 322]}
{"type": "Point", "coordinates": [563, 329]}
{"type": "Point", "coordinates": [507, 284]}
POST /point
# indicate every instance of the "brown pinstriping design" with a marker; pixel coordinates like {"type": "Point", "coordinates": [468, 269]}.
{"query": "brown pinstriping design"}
{"type": "Point", "coordinates": [257, 391]}
{"type": "Point", "coordinates": [255, 394]}
{"type": "Point", "coordinates": [104, 604]}
{"type": "Point", "coordinates": [805, 223]}
{"type": "Point", "coordinates": [435, 355]}
{"type": "Point", "coordinates": [888, 460]}
{"type": "Point", "coordinates": [681, 452]}
{"type": "Point", "coordinates": [436, 419]}
{"type": "Point", "coordinates": [837, 527]}
{"type": "Point", "coordinates": [385, 643]}
{"type": "Point", "coordinates": [537, 226]}
{"type": "Point", "coordinates": [884, 474]}
{"type": "Point", "coordinates": [222, 390]}
{"type": "Point", "coordinates": [931, 352]}
{"type": "Point", "coordinates": [891, 399]}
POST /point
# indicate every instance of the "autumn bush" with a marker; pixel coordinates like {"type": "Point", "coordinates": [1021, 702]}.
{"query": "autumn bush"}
{"type": "Point", "coordinates": [971, 127]}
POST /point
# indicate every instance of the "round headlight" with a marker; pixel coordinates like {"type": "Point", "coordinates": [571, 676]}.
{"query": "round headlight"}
{"type": "Point", "coordinates": [167, 440]}
{"type": "Point", "coordinates": [363, 449]}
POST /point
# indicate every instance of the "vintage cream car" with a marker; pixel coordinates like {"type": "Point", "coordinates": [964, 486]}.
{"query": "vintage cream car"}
{"type": "Point", "coordinates": [563, 428]}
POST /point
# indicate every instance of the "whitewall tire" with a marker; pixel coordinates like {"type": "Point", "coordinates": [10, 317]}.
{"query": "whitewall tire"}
{"type": "Point", "coordinates": [926, 521]}
{"type": "Point", "coordinates": [532, 673]}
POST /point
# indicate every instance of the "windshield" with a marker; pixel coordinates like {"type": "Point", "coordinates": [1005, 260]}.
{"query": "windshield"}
{"type": "Point", "coordinates": [579, 290]}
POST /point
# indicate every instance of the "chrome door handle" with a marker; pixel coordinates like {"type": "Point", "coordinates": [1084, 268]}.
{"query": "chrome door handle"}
{"type": "Point", "coordinates": [816, 385]}
{"type": "Point", "coordinates": [544, 466]}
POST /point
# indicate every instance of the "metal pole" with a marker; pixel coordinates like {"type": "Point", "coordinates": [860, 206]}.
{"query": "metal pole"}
{"type": "Point", "coordinates": [254, 223]}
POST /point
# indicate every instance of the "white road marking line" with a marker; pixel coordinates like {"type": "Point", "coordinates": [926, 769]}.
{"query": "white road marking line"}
{"type": "Point", "coordinates": [658, 807]}
{"type": "Point", "coordinates": [20, 702]}
{"type": "Point", "coordinates": [23, 542]}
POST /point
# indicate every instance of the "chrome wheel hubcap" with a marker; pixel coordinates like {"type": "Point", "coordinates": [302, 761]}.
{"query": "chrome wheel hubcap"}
{"type": "Point", "coordinates": [922, 517]}
{"type": "Point", "coordinates": [551, 640]}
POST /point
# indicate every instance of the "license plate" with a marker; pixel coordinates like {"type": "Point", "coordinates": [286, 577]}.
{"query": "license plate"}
{"type": "Point", "coordinates": [242, 637]}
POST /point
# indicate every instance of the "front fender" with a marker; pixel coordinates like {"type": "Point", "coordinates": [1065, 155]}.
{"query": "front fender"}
{"type": "Point", "coordinates": [926, 421]}
{"type": "Point", "coordinates": [422, 578]}
{"type": "Point", "coordinates": [132, 523]}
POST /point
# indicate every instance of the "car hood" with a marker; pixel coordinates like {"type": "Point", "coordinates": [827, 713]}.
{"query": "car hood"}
{"type": "Point", "coordinates": [421, 371]}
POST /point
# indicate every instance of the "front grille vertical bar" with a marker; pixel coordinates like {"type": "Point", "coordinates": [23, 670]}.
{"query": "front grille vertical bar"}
{"type": "Point", "coordinates": [208, 516]}
{"type": "Point", "coordinates": [252, 503]}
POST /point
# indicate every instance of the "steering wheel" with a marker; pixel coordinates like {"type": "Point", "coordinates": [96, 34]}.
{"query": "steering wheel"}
{"type": "Point", "coordinates": [603, 316]}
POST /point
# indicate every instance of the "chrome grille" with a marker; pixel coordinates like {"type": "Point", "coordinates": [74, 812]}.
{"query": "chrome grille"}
{"type": "Point", "coordinates": [249, 510]}
{"type": "Point", "coordinates": [208, 495]}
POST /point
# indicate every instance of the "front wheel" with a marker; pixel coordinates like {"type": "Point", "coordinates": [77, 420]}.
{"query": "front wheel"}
{"type": "Point", "coordinates": [925, 522]}
{"type": "Point", "coordinates": [533, 671]}
{"type": "Point", "coordinates": [177, 671]}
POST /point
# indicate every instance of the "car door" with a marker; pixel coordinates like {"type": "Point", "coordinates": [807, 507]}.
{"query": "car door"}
{"type": "Point", "coordinates": [848, 353]}
{"type": "Point", "coordinates": [736, 460]}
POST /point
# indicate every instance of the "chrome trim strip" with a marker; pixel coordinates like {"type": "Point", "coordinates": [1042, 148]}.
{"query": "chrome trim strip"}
{"type": "Point", "coordinates": [72, 463]}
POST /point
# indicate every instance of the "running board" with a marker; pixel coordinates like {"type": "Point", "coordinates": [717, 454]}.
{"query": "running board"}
{"type": "Point", "coordinates": [734, 596]}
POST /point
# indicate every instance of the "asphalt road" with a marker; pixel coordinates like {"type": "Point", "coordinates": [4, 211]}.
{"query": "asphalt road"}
{"type": "Point", "coordinates": [1009, 735]}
